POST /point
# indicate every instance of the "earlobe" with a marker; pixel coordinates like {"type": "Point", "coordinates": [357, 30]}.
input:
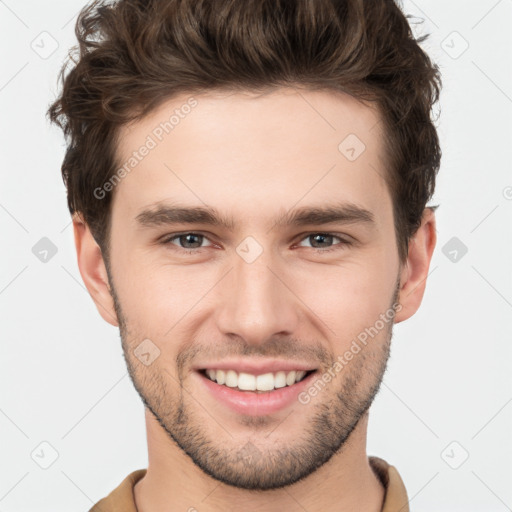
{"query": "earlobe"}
{"type": "Point", "coordinates": [93, 271]}
{"type": "Point", "coordinates": [415, 272]}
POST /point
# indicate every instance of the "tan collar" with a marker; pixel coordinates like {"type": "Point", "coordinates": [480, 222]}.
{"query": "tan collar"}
{"type": "Point", "coordinates": [121, 499]}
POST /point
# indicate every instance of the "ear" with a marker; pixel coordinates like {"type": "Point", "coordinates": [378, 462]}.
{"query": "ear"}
{"type": "Point", "coordinates": [413, 277]}
{"type": "Point", "coordinates": [93, 271]}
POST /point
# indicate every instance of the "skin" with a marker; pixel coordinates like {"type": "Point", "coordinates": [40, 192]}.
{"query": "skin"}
{"type": "Point", "coordinates": [253, 156]}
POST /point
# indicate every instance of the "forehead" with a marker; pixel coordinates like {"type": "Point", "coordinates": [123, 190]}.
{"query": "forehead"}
{"type": "Point", "coordinates": [244, 151]}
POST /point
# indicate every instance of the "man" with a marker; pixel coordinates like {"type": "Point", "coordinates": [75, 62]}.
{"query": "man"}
{"type": "Point", "coordinates": [290, 144]}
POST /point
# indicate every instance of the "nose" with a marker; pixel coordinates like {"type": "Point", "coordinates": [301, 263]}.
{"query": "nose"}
{"type": "Point", "coordinates": [256, 301]}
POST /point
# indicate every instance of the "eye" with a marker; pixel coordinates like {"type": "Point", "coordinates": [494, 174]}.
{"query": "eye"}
{"type": "Point", "coordinates": [322, 238]}
{"type": "Point", "coordinates": [191, 241]}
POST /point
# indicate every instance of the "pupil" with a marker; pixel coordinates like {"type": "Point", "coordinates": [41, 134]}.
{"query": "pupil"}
{"type": "Point", "coordinates": [187, 237]}
{"type": "Point", "coordinates": [321, 237]}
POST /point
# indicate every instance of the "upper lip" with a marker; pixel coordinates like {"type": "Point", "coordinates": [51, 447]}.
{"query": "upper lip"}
{"type": "Point", "coordinates": [255, 367]}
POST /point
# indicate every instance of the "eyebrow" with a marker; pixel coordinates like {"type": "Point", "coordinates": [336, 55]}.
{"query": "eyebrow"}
{"type": "Point", "coordinates": [343, 213]}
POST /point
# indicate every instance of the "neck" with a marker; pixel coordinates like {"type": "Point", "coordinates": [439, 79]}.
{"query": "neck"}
{"type": "Point", "coordinates": [174, 482]}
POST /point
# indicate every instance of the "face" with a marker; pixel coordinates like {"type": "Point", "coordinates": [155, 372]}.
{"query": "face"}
{"type": "Point", "coordinates": [278, 284]}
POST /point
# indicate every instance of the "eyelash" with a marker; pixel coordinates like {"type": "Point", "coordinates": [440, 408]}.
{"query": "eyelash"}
{"type": "Point", "coordinates": [343, 242]}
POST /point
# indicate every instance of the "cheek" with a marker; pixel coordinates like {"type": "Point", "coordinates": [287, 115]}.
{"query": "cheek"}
{"type": "Point", "coordinates": [349, 298]}
{"type": "Point", "coordinates": [154, 297]}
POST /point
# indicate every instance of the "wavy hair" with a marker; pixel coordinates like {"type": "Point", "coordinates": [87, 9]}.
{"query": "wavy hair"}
{"type": "Point", "coordinates": [134, 54]}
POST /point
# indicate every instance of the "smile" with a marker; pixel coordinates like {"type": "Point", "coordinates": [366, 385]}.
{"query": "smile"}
{"type": "Point", "coordinates": [242, 392]}
{"type": "Point", "coordinates": [242, 381]}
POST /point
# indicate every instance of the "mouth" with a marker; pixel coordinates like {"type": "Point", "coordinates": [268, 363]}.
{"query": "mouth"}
{"type": "Point", "coordinates": [263, 383]}
{"type": "Point", "coordinates": [255, 395]}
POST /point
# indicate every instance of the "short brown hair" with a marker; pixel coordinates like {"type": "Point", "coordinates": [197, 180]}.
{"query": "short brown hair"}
{"type": "Point", "coordinates": [134, 54]}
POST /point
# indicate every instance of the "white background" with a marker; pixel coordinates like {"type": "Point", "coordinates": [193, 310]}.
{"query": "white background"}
{"type": "Point", "coordinates": [64, 380]}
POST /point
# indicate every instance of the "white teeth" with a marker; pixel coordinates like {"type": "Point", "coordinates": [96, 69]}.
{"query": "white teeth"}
{"type": "Point", "coordinates": [246, 381]}
{"type": "Point", "coordinates": [220, 375]}
{"type": "Point", "coordinates": [290, 378]}
{"type": "Point", "coordinates": [280, 380]}
{"type": "Point", "coordinates": [249, 382]}
{"type": "Point", "coordinates": [231, 379]}
{"type": "Point", "coordinates": [264, 382]}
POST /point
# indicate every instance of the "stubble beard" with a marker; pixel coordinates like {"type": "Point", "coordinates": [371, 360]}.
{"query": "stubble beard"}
{"type": "Point", "coordinates": [257, 464]}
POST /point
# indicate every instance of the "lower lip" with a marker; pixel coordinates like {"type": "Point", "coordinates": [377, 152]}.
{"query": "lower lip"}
{"type": "Point", "coordinates": [256, 404]}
